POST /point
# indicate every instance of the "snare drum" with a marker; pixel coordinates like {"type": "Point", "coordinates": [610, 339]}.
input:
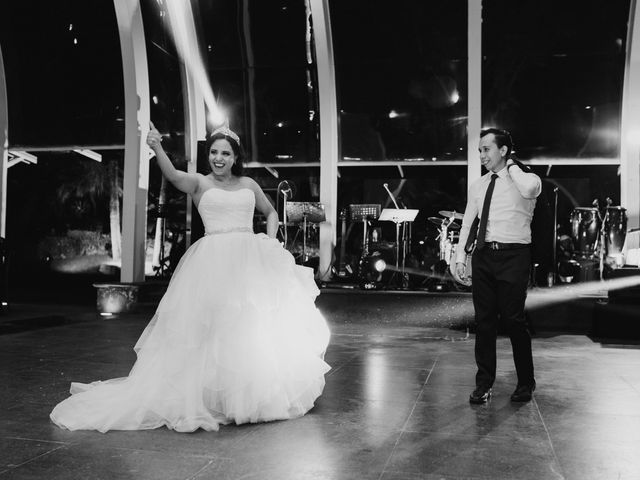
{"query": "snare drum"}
{"type": "Point", "coordinates": [585, 225]}
{"type": "Point", "coordinates": [616, 229]}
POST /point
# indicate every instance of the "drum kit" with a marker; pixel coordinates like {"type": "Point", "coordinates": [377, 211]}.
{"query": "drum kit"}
{"type": "Point", "coordinates": [448, 236]}
{"type": "Point", "coordinates": [382, 264]}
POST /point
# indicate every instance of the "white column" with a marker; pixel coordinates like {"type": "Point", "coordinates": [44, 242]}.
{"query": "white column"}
{"type": "Point", "coordinates": [136, 157]}
{"type": "Point", "coordinates": [4, 147]}
{"type": "Point", "coordinates": [474, 89]}
{"type": "Point", "coordinates": [329, 151]}
{"type": "Point", "coordinates": [630, 123]}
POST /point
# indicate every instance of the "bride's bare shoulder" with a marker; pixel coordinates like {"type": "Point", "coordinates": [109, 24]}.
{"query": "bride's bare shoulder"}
{"type": "Point", "coordinates": [248, 182]}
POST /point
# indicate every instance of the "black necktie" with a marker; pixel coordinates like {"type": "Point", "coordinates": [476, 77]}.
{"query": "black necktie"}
{"type": "Point", "coordinates": [482, 229]}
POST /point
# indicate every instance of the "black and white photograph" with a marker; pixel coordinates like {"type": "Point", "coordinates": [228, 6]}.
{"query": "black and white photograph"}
{"type": "Point", "coordinates": [320, 240]}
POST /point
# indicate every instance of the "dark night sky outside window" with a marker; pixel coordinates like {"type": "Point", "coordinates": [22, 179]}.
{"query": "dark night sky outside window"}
{"type": "Point", "coordinates": [165, 83]}
{"type": "Point", "coordinates": [401, 73]}
{"type": "Point", "coordinates": [64, 72]}
{"type": "Point", "coordinates": [256, 50]}
{"type": "Point", "coordinates": [553, 72]}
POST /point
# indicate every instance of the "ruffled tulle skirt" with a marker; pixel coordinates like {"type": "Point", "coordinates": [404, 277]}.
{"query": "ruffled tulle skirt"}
{"type": "Point", "coordinates": [236, 338]}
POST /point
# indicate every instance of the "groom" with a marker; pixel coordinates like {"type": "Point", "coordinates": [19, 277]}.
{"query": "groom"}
{"type": "Point", "coordinates": [503, 199]}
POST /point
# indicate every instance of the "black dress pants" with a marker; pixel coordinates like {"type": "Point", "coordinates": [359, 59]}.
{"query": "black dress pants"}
{"type": "Point", "coordinates": [499, 288]}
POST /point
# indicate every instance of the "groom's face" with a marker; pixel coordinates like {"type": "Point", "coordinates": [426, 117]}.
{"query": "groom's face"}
{"type": "Point", "coordinates": [492, 157]}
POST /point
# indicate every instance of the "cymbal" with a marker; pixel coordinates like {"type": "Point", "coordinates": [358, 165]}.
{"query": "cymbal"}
{"type": "Point", "coordinates": [439, 221]}
{"type": "Point", "coordinates": [454, 214]}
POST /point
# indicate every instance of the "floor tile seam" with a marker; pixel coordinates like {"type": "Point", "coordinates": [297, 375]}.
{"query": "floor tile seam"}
{"type": "Point", "coordinates": [397, 442]}
{"type": "Point", "coordinates": [413, 339]}
{"type": "Point", "coordinates": [463, 436]}
{"type": "Point", "coordinates": [343, 364]}
{"type": "Point", "coordinates": [334, 334]}
{"type": "Point", "coordinates": [621, 415]}
{"type": "Point", "coordinates": [401, 366]}
{"type": "Point", "coordinates": [12, 437]}
{"type": "Point", "coordinates": [195, 475]}
{"type": "Point", "coordinates": [345, 344]}
{"type": "Point", "coordinates": [553, 449]}
{"type": "Point", "coordinates": [577, 389]}
{"type": "Point", "coordinates": [466, 476]}
{"type": "Point", "coordinates": [154, 451]}
{"type": "Point", "coordinates": [37, 457]}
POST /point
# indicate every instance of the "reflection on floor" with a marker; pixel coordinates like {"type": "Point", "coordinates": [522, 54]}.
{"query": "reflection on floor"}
{"type": "Point", "coordinates": [395, 406]}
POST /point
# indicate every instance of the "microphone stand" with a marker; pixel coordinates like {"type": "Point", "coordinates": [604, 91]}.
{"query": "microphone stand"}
{"type": "Point", "coordinates": [554, 267]}
{"type": "Point", "coordinates": [285, 194]}
{"type": "Point", "coordinates": [386, 187]}
{"type": "Point", "coordinates": [284, 217]}
{"type": "Point", "coordinates": [403, 279]}
{"type": "Point", "coordinates": [393, 199]}
{"type": "Point", "coordinates": [603, 235]}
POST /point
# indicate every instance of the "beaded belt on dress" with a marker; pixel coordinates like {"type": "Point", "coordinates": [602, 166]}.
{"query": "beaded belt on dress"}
{"type": "Point", "coordinates": [231, 230]}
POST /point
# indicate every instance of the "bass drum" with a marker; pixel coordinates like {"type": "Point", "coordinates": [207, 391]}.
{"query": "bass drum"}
{"type": "Point", "coordinates": [466, 282]}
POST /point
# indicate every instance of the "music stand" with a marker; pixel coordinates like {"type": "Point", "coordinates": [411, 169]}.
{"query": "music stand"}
{"type": "Point", "coordinates": [398, 216]}
{"type": "Point", "coordinates": [301, 213]}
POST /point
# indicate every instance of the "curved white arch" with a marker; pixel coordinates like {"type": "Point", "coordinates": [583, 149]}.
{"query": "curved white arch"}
{"type": "Point", "coordinates": [630, 122]}
{"type": "Point", "coordinates": [4, 147]}
{"type": "Point", "coordinates": [329, 151]}
{"type": "Point", "coordinates": [136, 158]}
{"type": "Point", "coordinates": [195, 125]}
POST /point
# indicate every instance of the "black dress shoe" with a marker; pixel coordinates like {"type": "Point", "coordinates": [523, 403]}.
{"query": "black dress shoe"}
{"type": "Point", "coordinates": [523, 393]}
{"type": "Point", "coordinates": [480, 395]}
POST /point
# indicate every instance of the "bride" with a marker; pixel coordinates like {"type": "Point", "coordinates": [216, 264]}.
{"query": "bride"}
{"type": "Point", "coordinates": [236, 337]}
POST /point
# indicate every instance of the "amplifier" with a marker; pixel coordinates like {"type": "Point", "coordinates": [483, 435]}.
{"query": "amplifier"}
{"type": "Point", "coordinates": [629, 295]}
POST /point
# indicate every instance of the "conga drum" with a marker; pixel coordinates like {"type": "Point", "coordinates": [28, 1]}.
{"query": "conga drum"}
{"type": "Point", "coordinates": [615, 229]}
{"type": "Point", "coordinates": [585, 225]}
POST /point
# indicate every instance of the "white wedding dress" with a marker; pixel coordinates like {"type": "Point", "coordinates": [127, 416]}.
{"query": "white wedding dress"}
{"type": "Point", "coordinates": [236, 338]}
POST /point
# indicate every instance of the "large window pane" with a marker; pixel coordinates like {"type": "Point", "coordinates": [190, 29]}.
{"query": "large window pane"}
{"type": "Point", "coordinates": [553, 74]}
{"type": "Point", "coordinates": [165, 82]}
{"type": "Point", "coordinates": [262, 72]}
{"type": "Point", "coordinates": [63, 219]}
{"type": "Point", "coordinates": [402, 78]}
{"type": "Point", "coordinates": [64, 72]}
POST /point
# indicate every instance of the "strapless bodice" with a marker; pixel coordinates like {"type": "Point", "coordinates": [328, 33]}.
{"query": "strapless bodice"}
{"type": "Point", "coordinates": [227, 210]}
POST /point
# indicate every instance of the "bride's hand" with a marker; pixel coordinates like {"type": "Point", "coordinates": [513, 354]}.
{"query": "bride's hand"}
{"type": "Point", "coordinates": [153, 137]}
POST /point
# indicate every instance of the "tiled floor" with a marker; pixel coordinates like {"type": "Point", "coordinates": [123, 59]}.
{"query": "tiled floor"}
{"type": "Point", "coordinates": [395, 407]}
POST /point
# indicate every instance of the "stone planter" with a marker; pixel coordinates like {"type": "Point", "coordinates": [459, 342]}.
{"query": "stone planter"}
{"type": "Point", "coordinates": [114, 298]}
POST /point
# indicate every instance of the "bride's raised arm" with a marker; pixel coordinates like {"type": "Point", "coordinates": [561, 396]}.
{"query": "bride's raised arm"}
{"type": "Point", "coordinates": [183, 181]}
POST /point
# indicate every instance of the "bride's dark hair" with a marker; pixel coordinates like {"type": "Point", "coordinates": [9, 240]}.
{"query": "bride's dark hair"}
{"type": "Point", "coordinates": [238, 166]}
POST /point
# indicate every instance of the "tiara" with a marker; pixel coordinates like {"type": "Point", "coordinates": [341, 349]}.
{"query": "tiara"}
{"type": "Point", "coordinates": [224, 130]}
